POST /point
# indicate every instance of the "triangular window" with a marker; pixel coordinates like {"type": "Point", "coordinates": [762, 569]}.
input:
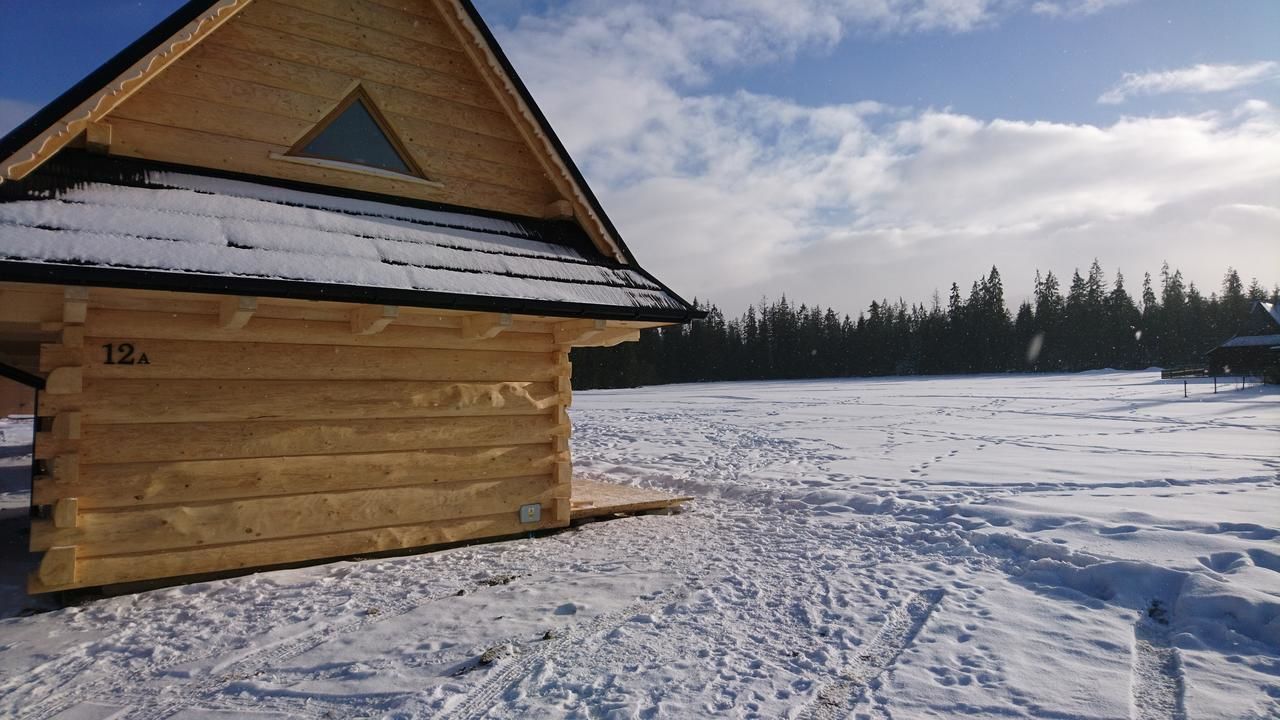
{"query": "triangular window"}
{"type": "Point", "coordinates": [355, 133]}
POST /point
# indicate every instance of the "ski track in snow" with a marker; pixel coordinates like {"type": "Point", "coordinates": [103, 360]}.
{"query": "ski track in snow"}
{"type": "Point", "coordinates": [899, 628]}
{"type": "Point", "coordinates": [1158, 684]}
{"type": "Point", "coordinates": [808, 580]}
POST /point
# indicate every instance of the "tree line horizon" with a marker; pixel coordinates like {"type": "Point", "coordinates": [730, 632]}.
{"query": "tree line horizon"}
{"type": "Point", "coordinates": [1096, 324]}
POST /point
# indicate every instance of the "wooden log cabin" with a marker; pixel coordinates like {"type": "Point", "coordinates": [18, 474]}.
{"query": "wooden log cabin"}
{"type": "Point", "coordinates": [297, 279]}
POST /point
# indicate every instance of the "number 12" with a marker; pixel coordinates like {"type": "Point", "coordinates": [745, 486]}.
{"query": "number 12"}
{"type": "Point", "coordinates": [125, 356]}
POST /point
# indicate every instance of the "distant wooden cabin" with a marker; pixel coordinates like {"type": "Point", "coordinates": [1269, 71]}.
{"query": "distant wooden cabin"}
{"type": "Point", "coordinates": [1254, 348]}
{"type": "Point", "coordinates": [297, 279]}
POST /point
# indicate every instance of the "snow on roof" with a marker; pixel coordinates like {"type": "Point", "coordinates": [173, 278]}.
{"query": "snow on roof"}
{"type": "Point", "coordinates": [200, 225]}
{"type": "Point", "coordinates": [1272, 310]}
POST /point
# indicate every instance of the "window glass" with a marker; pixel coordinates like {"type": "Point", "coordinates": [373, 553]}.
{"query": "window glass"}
{"type": "Point", "coordinates": [355, 137]}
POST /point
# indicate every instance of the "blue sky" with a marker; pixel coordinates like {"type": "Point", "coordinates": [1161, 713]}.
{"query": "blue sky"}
{"type": "Point", "coordinates": [842, 151]}
{"type": "Point", "coordinates": [1029, 66]}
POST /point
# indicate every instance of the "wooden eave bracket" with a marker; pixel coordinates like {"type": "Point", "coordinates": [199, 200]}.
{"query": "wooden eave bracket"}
{"type": "Point", "coordinates": [373, 319]}
{"type": "Point", "coordinates": [611, 337]}
{"type": "Point", "coordinates": [592, 333]}
{"type": "Point", "coordinates": [483, 326]}
{"type": "Point", "coordinates": [234, 312]}
{"type": "Point", "coordinates": [574, 332]}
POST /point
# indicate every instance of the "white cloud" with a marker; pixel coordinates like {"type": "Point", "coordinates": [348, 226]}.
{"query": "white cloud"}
{"type": "Point", "coordinates": [1073, 8]}
{"type": "Point", "coordinates": [1195, 79]}
{"type": "Point", "coordinates": [733, 196]}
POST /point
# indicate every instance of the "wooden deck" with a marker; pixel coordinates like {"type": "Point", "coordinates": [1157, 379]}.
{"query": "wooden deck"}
{"type": "Point", "coordinates": [592, 499]}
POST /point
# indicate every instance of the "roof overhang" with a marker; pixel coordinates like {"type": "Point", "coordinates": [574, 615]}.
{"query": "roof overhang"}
{"type": "Point", "coordinates": [140, 279]}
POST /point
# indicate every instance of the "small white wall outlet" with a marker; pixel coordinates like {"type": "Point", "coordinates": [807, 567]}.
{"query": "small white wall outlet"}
{"type": "Point", "coordinates": [531, 513]}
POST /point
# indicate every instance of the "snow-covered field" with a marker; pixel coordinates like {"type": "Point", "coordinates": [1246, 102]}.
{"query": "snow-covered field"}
{"type": "Point", "coordinates": [1084, 546]}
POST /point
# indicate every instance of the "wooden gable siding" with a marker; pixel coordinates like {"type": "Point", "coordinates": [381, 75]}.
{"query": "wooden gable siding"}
{"type": "Point", "coordinates": [267, 76]}
{"type": "Point", "coordinates": [291, 438]}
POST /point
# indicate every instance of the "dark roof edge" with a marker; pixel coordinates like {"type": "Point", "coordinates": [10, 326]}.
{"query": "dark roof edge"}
{"type": "Point", "coordinates": [105, 73]}
{"type": "Point", "coordinates": [133, 279]}
{"type": "Point", "coordinates": [545, 125]}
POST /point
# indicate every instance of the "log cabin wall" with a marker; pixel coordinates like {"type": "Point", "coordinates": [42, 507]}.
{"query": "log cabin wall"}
{"type": "Point", "coordinates": [16, 398]}
{"type": "Point", "coordinates": [184, 434]}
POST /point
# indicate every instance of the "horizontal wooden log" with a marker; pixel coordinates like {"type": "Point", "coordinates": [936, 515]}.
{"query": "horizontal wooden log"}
{"type": "Point", "coordinates": [246, 79]}
{"type": "Point", "coordinates": [176, 326]}
{"type": "Point", "coordinates": [113, 532]}
{"type": "Point", "coordinates": [397, 20]}
{"type": "Point", "coordinates": [181, 303]}
{"type": "Point", "coordinates": [129, 568]}
{"type": "Point", "coordinates": [161, 483]}
{"type": "Point", "coordinates": [58, 567]}
{"type": "Point", "coordinates": [352, 24]}
{"type": "Point", "coordinates": [324, 43]}
{"type": "Point", "coordinates": [475, 159]}
{"type": "Point", "coordinates": [54, 356]}
{"type": "Point", "coordinates": [148, 140]}
{"type": "Point", "coordinates": [160, 108]}
{"type": "Point", "coordinates": [123, 401]}
{"type": "Point", "coordinates": [233, 312]}
{"type": "Point", "coordinates": [63, 381]}
{"type": "Point", "coordinates": [210, 441]}
{"type": "Point", "coordinates": [190, 360]}
{"type": "Point", "coordinates": [32, 308]}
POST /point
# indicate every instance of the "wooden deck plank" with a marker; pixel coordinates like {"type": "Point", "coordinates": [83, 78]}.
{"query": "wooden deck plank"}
{"type": "Point", "coordinates": [593, 499]}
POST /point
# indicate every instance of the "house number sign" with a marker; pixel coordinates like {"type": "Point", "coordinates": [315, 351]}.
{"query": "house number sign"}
{"type": "Point", "coordinates": [124, 354]}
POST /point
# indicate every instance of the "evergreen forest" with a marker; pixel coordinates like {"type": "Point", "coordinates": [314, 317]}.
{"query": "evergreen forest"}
{"type": "Point", "coordinates": [1094, 322]}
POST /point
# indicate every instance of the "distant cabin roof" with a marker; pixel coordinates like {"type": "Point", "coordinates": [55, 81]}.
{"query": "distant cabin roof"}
{"type": "Point", "coordinates": [1272, 310]}
{"type": "Point", "coordinates": [164, 229]}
